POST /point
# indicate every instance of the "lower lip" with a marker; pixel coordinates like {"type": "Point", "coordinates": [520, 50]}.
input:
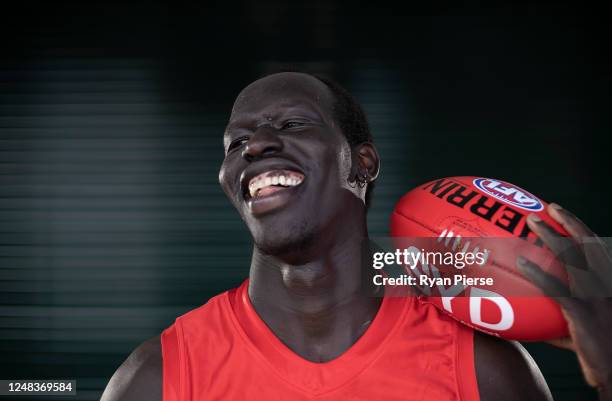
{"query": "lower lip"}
{"type": "Point", "coordinates": [272, 202]}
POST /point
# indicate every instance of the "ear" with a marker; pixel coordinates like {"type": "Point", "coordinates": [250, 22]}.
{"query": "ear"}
{"type": "Point", "coordinates": [367, 158]}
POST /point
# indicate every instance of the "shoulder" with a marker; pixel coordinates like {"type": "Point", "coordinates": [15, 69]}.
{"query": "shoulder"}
{"type": "Point", "coordinates": [213, 311]}
{"type": "Point", "coordinates": [140, 376]}
{"type": "Point", "coordinates": [506, 371]}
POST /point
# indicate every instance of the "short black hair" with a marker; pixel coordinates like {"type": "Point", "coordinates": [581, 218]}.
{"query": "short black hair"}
{"type": "Point", "coordinates": [352, 120]}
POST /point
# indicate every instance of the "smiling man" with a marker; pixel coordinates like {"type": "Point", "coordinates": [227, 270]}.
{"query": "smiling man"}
{"type": "Point", "coordinates": [299, 167]}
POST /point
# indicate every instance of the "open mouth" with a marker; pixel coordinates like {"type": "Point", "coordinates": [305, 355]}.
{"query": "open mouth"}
{"type": "Point", "coordinates": [273, 181]}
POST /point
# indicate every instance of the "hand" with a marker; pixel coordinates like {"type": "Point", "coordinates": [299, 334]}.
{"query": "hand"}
{"type": "Point", "coordinates": [586, 304]}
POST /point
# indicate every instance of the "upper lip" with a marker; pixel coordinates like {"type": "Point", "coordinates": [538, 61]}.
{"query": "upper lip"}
{"type": "Point", "coordinates": [257, 168]}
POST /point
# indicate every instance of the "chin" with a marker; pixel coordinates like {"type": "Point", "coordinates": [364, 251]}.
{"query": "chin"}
{"type": "Point", "coordinates": [281, 239]}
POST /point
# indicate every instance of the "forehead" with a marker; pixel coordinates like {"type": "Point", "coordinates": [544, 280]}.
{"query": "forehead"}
{"type": "Point", "coordinates": [284, 90]}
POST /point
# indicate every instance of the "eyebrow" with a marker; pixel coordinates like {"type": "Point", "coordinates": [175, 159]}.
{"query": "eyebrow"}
{"type": "Point", "coordinates": [301, 107]}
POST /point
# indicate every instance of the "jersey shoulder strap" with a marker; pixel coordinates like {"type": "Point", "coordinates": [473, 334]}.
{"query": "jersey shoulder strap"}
{"type": "Point", "coordinates": [466, 366]}
{"type": "Point", "coordinates": [172, 363]}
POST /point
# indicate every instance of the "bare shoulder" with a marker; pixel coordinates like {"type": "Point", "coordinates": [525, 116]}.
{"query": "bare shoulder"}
{"type": "Point", "coordinates": [140, 375]}
{"type": "Point", "coordinates": [506, 371]}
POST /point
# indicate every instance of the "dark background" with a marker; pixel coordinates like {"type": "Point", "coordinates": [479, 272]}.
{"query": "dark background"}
{"type": "Point", "coordinates": [112, 222]}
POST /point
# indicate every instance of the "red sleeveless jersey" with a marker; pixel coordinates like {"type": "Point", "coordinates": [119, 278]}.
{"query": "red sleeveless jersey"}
{"type": "Point", "coordinates": [224, 351]}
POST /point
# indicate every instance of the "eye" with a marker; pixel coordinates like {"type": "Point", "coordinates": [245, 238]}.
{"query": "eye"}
{"type": "Point", "coordinates": [236, 143]}
{"type": "Point", "coordinates": [292, 125]}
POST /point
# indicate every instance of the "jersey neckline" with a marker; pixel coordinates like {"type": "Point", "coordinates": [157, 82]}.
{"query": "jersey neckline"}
{"type": "Point", "coordinates": [310, 377]}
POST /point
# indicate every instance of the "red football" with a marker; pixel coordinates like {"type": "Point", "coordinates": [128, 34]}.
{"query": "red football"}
{"type": "Point", "coordinates": [495, 211]}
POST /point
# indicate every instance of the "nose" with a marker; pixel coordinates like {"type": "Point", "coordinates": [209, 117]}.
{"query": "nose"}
{"type": "Point", "coordinates": [264, 142]}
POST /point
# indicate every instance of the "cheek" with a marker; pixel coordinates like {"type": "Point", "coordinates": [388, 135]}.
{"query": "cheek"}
{"type": "Point", "coordinates": [223, 176]}
{"type": "Point", "coordinates": [337, 163]}
{"type": "Point", "coordinates": [344, 161]}
{"type": "Point", "coordinates": [226, 179]}
{"type": "Point", "coordinates": [336, 151]}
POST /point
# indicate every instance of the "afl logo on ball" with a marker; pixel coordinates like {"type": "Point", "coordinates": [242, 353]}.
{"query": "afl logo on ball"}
{"type": "Point", "coordinates": [509, 193]}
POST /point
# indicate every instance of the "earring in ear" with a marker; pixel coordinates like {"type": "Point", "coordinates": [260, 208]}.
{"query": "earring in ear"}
{"type": "Point", "coordinates": [363, 177]}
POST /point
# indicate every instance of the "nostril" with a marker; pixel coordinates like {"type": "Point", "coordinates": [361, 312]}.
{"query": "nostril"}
{"type": "Point", "coordinates": [269, 151]}
{"type": "Point", "coordinates": [261, 145]}
{"type": "Point", "coordinates": [247, 156]}
{"type": "Point", "coordinates": [251, 156]}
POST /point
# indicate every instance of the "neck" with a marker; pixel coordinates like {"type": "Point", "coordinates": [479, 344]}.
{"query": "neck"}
{"type": "Point", "coordinates": [317, 306]}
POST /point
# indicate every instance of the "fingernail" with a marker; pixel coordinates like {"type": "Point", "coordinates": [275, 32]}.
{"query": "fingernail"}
{"type": "Point", "coordinates": [523, 264]}
{"type": "Point", "coordinates": [534, 217]}
{"type": "Point", "coordinates": [555, 206]}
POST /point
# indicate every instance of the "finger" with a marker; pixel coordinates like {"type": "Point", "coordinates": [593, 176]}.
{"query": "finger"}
{"type": "Point", "coordinates": [550, 285]}
{"type": "Point", "coordinates": [588, 336]}
{"type": "Point", "coordinates": [563, 247]}
{"type": "Point", "coordinates": [597, 253]}
{"type": "Point", "coordinates": [584, 284]}
{"type": "Point", "coordinates": [572, 224]}
{"type": "Point", "coordinates": [599, 260]}
{"type": "Point", "coordinates": [573, 308]}
{"type": "Point", "coordinates": [582, 280]}
{"type": "Point", "coordinates": [565, 343]}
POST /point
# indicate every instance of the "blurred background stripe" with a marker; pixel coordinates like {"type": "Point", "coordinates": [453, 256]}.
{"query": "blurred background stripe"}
{"type": "Point", "coordinates": [112, 222]}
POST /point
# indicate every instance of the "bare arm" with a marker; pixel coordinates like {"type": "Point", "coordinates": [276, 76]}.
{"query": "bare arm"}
{"type": "Point", "coordinates": [139, 378]}
{"type": "Point", "coordinates": [506, 372]}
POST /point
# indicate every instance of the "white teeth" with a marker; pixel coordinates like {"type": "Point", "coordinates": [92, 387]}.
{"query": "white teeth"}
{"type": "Point", "coordinates": [260, 182]}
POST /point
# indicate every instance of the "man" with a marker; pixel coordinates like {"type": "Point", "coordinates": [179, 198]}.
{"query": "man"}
{"type": "Point", "coordinates": [299, 167]}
